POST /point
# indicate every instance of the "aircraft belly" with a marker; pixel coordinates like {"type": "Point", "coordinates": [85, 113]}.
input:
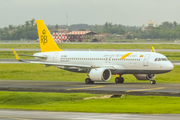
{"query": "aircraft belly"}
{"type": "Point", "coordinates": [75, 70]}
{"type": "Point", "coordinates": [138, 71]}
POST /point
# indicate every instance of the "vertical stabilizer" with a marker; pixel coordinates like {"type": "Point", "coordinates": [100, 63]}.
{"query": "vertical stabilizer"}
{"type": "Point", "coordinates": [46, 41]}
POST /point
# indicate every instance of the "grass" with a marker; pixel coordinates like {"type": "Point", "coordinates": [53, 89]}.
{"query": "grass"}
{"type": "Point", "coordinates": [39, 72]}
{"type": "Point", "coordinates": [10, 54]}
{"type": "Point", "coordinates": [162, 41]}
{"type": "Point", "coordinates": [171, 55]}
{"type": "Point", "coordinates": [96, 46]}
{"type": "Point", "coordinates": [73, 102]}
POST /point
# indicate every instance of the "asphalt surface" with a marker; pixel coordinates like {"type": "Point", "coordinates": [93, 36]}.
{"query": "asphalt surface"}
{"type": "Point", "coordinates": [104, 88]}
{"type": "Point", "coordinates": [42, 115]}
{"type": "Point", "coordinates": [142, 50]}
{"type": "Point", "coordinates": [163, 89]}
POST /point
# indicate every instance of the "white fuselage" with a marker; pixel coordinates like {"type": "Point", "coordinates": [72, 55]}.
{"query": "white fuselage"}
{"type": "Point", "coordinates": [135, 63]}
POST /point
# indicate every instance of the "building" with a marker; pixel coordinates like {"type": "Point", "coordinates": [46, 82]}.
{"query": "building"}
{"type": "Point", "coordinates": [61, 35]}
{"type": "Point", "coordinates": [149, 27]}
{"type": "Point", "coordinates": [80, 36]}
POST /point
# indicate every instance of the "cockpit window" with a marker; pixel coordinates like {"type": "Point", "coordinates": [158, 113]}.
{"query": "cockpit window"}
{"type": "Point", "coordinates": [161, 59]}
{"type": "Point", "coordinates": [164, 59]}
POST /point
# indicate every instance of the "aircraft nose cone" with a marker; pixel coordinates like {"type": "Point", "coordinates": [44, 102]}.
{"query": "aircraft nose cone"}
{"type": "Point", "coordinates": [169, 66]}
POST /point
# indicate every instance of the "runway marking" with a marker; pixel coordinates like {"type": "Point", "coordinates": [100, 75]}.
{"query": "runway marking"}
{"type": "Point", "coordinates": [85, 88]}
{"type": "Point", "coordinates": [146, 89]}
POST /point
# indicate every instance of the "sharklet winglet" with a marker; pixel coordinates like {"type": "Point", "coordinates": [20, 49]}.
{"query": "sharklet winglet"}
{"type": "Point", "coordinates": [153, 50]}
{"type": "Point", "coordinates": [16, 55]}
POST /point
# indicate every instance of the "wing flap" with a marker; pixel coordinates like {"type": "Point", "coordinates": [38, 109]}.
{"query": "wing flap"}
{"type": "Point", "coordinates": [60, 64]}
{"type": "Point", "coordinates": [43, 57]}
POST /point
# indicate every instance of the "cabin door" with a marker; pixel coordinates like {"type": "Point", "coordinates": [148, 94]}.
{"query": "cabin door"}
{"type": "Point", "coordinates": [146, 58]}
{"type": "Point", "coordinates": [55, 58]}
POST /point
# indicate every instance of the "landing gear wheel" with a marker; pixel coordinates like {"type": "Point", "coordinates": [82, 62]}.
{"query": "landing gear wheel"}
{"type": "Point", "coordinates": [89, 81]}
{"type": "Point", "coordinates": [119, 80]}
{"type": "Point", "coordinates": [92, 82]}
{"type": "Point", "coordinates": [153, 82]}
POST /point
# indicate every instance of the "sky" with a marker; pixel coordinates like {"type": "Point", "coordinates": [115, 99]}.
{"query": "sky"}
{"type": "Point", "coordinates": [125, 12]}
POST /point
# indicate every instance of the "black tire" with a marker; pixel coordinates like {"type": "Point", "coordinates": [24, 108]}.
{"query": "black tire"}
{"type": "Point", "coordinates": [121, 80]}
{"type": "Point", "coordinates": [88, 81]}
{"type": "Point", "coordinates": [92, 82]}
{"type": "Point", "coordinates": [117, 79]}
{"type": "Point", "coordinates": [153, 82]}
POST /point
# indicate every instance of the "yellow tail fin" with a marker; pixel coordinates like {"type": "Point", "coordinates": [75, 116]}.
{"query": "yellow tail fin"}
{"type": "Point", "coordinates": [46, 41]}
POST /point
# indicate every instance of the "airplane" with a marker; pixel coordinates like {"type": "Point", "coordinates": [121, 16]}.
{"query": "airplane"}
{"type": "Point", "coordinates": [99, 65]}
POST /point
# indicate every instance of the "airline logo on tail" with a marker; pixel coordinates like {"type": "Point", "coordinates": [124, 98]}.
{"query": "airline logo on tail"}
{"type": "Point", "coordinates": [44, 37]}
{"type": "Point", "coordinates": [46, 41]}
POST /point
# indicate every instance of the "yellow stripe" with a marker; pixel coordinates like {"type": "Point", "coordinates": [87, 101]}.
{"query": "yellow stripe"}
{"type": "Point", "coordinates": [146, 89]}
{"type": "Point", "coordinates": [16, 55]}
{"type": "Point", "coordinates": [124, 56]}
{"type": "Point", "coordinates": [85, 88]}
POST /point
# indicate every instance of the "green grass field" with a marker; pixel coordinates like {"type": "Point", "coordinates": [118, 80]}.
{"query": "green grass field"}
{"type": "Point", "coordinates": [73, 102]}
{"type": "Point", "coordinates": [39, 72]}
{"type": "Point", "coordinates": [97, 46]}
{"type": "Point", "coordinates": [10, 54]}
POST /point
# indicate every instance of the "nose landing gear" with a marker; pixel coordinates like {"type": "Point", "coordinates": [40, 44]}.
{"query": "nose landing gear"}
{"type": "Point", "coordinates": [153, 82]}
{"type": "Point", "coordinates": [119, 80]}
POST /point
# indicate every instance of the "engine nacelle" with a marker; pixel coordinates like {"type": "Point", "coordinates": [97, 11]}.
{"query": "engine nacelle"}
{"type": "Point", "coordinates": [100, 74]}
{"type": "Point", "coordinates": [144, 76]}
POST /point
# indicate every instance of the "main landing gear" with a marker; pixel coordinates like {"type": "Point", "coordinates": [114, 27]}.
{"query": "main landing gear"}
{"type": "Point", "coordinates": [89, 81]}
{"type": "Point", "coordinates": [153, 82]}
{"type": "Point", "coordinates": [119, 80]}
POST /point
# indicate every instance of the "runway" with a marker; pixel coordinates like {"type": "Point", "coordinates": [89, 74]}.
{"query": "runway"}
{"type": "Point", "coordinates": [163, 89]}
{"type": "Point", "coordinates": [43, 115]}
{"type": "Point", "coordinates": [135, 50]}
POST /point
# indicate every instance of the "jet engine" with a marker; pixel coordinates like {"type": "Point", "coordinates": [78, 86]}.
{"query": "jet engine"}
{"type": "Point", "coordinates": [144, 76]}
{"type": "Point", "coordinates": [100, 74]}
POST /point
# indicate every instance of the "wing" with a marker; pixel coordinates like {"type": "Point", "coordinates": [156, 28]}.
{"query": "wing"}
{"type": "Point", "coordinates": [62, 65]}
{"type": "Point", "coordinates": [47, 64]}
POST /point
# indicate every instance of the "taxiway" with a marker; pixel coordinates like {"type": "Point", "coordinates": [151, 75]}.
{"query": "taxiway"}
{"type": "Point", "coordinates": [43, 115]}
{"type": "Point", "coordinates": [99, 87]}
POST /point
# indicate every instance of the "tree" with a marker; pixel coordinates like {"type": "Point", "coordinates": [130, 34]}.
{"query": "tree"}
{"type": "Point", "coordinates": [56, 26]}
{"type": "Point", "coordinates": [11, 27]}
{"type": "Point", "coordinates": [32, 22]}
{"type": "Point", "coordinates": [175, 23]}
{"type": "Point", "coordinates": [27, 24]}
